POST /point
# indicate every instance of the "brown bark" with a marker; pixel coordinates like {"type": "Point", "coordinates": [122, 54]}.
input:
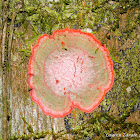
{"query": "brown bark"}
{"type": "Point", "coordinates": [9, 99]}
{"type": "Point", "coordinates": [4, 72]}
{"type": "Point", "coordinates": [4, 86]}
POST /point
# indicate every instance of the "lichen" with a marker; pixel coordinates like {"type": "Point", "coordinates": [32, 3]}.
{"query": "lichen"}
{"type": "Point", "coordinates": [126, 75]}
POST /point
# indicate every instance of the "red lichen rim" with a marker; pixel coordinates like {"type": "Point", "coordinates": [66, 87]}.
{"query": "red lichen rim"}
{"type": "Point", "coordinates": [77, 105]}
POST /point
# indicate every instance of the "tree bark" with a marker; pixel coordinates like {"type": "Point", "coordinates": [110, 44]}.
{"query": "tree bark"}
{"type": "Point", "coordinates": [4, 82]}
{"type": "Point", "coordinates": [9, 99]}
{"type": "Point", "coordinates": [4, 70]}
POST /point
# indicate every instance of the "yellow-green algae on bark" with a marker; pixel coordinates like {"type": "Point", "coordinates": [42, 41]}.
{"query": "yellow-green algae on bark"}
{"type": "Point", "coordinates": [123, 99]}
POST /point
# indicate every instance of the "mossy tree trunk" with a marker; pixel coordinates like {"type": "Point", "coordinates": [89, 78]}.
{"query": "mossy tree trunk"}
{"type": "Point", "coordinates": [114, 23]}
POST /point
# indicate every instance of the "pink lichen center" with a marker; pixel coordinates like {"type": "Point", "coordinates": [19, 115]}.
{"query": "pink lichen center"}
{"type": "Point", "coordinates": [68, 71]}
{"type": "Point", "coordinates": [65, 69]}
